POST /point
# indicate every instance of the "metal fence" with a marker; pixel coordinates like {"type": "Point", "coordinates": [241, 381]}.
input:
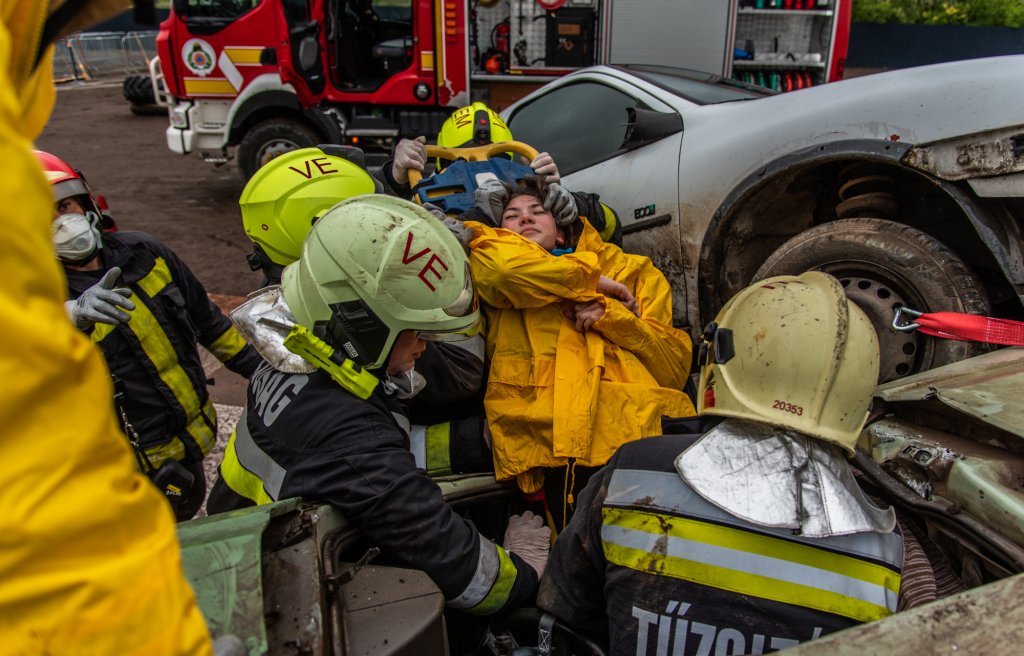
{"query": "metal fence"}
{"type": "Point", "coordinates": [92, 55]}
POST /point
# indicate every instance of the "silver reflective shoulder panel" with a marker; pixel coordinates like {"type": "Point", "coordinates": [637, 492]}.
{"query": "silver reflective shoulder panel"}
{"type": "Point", "coordinates": [487, 567]}
{"type": "Point", "coordinates": [255, 459]}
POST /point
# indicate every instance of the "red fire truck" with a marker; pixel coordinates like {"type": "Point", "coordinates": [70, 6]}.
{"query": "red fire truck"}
{"type": "Point", "coordinates": [269, 76]}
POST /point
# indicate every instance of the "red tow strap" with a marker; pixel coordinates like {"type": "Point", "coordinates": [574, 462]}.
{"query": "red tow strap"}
{"type": "Point", "coordinates": [970, 327]}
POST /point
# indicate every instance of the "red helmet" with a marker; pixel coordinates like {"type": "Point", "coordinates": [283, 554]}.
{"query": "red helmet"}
{"type": "Point", "coordinates": [66, 181]}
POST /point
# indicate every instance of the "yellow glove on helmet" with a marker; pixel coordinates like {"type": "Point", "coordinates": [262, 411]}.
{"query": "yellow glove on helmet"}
{"type": "Point", "coordinates": [793, 352]}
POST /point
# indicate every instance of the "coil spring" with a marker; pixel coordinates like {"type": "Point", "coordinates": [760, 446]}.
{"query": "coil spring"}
{"type": "Point", "coordinates": [864, 193]}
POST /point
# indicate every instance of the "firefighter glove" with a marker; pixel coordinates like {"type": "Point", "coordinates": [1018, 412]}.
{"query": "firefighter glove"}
{"type": "Point", "coordinates": [457, 228]}
{"type": "Point", "coordinates": [560, 203]}
{"type": "Point", "coordinates": [461, 232]}
{"type": "Point", "coordinates": [491, 197]}
{"type": "Point", "coordinates": [409, 154]}
{"type": "Point", "coordinates": [543, 165]}
{"type": "Point", "coordinates": [101, 304]}
{"type": "Point", "coordinates": [528, 538]}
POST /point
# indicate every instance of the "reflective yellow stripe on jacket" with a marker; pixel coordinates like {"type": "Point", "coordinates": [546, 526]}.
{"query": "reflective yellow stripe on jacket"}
{"type": "Point", "coordinates": [248, 470]}
{"type": "Point", "coordinates": [157, 346]}
{"type": "Point", "coordinates": [749, 563]}
{"type": "Point", "coordinates": [611, 221]}
{"type": "Point", "coordinates": [176, 448]}
{"type": "Point", "coordinates": [491, 584]}
{"type": "Point", "coordinates": [227, 345]}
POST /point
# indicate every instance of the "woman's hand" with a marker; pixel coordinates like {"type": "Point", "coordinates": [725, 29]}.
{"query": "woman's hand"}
{"type": "Point", "coordinates": [618, 291]}
{"type": "Point", "coordinates": [585, 314]}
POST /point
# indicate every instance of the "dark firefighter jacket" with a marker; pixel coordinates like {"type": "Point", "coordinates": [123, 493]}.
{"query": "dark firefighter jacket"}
{"type": "Point", "coordinates": [305, 436]}
{"type": "Point", "coordinates": [154, 354]}
{"type": "Point", "coordinates": [659, 570]}
{"type": "Point", "coordinates": [600, 216]}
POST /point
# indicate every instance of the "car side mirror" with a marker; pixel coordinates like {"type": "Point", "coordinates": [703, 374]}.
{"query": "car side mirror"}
{"type": "Point", "coordinates": [647, 126]}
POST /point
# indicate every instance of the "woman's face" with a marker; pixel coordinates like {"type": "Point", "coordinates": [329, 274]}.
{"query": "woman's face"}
{"type": "Point", "coordinates": [526, 216]}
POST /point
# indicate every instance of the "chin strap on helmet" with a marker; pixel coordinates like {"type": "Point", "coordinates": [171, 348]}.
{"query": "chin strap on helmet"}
{"type": "Point", "coordinates": [258, 259]}
{"type": "Point", "coordinates": [718, 339]}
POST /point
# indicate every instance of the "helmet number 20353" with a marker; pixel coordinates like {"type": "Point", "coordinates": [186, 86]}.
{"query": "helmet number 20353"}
{"type": "Point", "coordinates": [429, 266]}
{"type": "Point", "coordinates": [795, 409]}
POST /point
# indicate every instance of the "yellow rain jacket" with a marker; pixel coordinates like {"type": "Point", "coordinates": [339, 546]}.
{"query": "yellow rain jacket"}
{"type": "Point", "coordinates": [553, 392]}
{"type": "Point", "coordinates": [89, 560]}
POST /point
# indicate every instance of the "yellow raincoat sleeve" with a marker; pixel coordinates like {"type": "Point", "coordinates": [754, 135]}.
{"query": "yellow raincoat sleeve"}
{"type": "Point", "coordinates": [89, 560]}
{"type": "Point", "coordinates": [665, 351]}
{"type": "Point", "coordinates": [510, 271]}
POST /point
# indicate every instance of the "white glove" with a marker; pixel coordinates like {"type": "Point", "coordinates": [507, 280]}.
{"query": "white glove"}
{"type": "Point", "coordinates": [560, 203]}
{"type": "Point", "coordinates": [528, 538]}
{"type": "Point", "coordinates": [544, 165]}
{"type": "Point", "coordinates": [491, 197]}
{"type": "Point", "coordinates": [408, 155]}
{"type": "Point", "coordinates": [100, 303]}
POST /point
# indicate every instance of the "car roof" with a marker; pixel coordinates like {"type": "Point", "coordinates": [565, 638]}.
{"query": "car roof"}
{"type": "Point", "coordinates": [692, 80]}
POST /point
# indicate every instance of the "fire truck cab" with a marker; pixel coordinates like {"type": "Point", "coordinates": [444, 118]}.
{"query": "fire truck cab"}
{"type": "Point", "coordinates": [270, 76]}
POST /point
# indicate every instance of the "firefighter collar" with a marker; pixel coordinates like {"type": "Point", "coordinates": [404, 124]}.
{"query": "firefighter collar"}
{"type": "Point", "coordinates": [779, 478]}
{"type": "Point", "coordinates": [266, 321]}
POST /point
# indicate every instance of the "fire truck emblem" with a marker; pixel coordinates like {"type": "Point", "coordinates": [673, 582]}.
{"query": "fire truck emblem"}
{"type": "Point", "coordinates": [199, 56]}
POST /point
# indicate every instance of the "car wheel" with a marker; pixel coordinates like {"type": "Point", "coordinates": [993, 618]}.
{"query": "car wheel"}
{"type": "Point", "coordinates": [884, 265]}
{"type": "Point", "coordinates": [138, 90]}
{"type": "Point", "coordinates": [271, 139]}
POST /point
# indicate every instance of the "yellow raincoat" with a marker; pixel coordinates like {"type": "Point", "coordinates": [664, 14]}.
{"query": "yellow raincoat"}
{"type": "Point", "coordinates": [553, 392]}
{"type": "Point", "coordinates": [89, 560]}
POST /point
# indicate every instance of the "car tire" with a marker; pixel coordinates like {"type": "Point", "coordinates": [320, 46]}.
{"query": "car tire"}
{"type": "Point", "coordinates": [138, 90]}
{"type": "Point", "coordinates": [883, 265]}
{"type": "Point", "coordinates": [269, 139]}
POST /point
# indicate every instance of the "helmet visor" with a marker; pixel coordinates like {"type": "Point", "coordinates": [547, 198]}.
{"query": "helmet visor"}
{"type": "Point", "coordinates": [66, 188]}
{"type": "Point", "coordinates": [451, 335]}
{"type": "Point", "coordinates": [466, 304]}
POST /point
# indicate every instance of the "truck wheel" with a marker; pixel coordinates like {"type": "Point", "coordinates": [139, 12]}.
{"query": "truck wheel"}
{"type": "Point", "coordinates": [270, 139]}
{"type": "Point", "coordinates": [138, 90]}
{"type": "Point", "coordinates": [884, 265]}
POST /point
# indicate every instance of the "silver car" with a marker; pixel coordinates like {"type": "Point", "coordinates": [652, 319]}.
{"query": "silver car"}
{"type": "Point", "coordinates": [906, 185]}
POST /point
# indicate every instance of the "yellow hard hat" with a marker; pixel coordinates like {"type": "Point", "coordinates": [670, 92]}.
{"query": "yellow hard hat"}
{"type": "Point", "coordinates": [793, 352]}
{"type": "Point", "coordinates": [473, 125]}
{"type": "Point", "coordinates": [283, 200]}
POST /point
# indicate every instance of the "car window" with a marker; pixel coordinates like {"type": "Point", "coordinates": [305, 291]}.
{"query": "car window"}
{"type": "Point", "coordinates": [579, 124]}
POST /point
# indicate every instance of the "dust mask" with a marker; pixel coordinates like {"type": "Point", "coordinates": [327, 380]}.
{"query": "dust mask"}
{"type": "Point", "coordinates": [76, 237]}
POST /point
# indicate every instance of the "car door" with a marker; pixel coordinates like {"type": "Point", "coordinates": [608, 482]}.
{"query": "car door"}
{"type": "Point", "coordinates": [583, 124]}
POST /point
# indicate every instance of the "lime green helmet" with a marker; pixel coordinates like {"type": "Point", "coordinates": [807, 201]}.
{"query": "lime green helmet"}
{"type": "Point", "coordinates": [283, 200]}
{"type": "Point", "coordinates": [374, 266]}
{"type": "Point", "coordinates": [470, 126]}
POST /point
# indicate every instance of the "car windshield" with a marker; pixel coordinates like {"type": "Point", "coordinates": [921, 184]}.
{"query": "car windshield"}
{"type": "Point", "coordinates": [697, 87]}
